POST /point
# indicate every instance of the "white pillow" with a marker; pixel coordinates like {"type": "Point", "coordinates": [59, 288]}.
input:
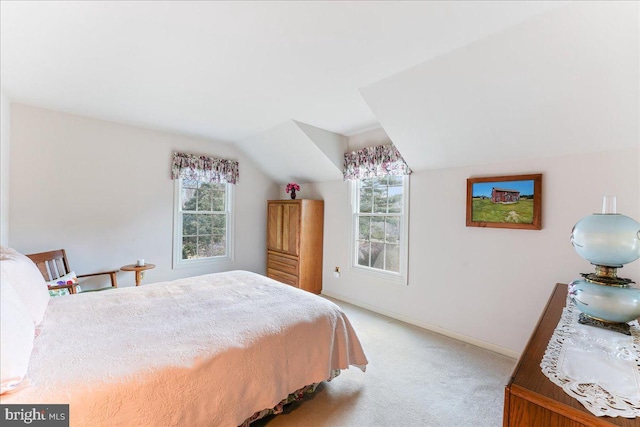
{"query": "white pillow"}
{"type": "Point", "coordinates": [16, 338]}
{"type": "Point", "coordinates": [4, 252]}
{"type": "Point", "coordinates": [67, 279]}
{"type": "Point", "coordinates": [27, 281]}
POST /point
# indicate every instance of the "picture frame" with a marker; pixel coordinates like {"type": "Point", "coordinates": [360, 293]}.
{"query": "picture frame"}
{"type": "Point", "coordinates": [510, 201]}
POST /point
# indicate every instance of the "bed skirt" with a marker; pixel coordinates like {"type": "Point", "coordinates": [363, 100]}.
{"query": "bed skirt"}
{"type": "Point", "coordinates": [293, 397]}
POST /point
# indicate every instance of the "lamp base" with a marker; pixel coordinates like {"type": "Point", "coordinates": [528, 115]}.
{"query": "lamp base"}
{"type": "Point", "coordinates": [623, 328]}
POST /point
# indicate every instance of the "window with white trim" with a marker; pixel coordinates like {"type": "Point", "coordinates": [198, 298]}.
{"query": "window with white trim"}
{"type": "Point", "coordinates": [380, 224]}
{"type": "Point", "coordinates": [203, 222]}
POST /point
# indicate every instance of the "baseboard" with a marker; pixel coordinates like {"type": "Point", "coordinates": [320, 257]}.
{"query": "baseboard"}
{"type": "Point", "coordinates": [412, 321]}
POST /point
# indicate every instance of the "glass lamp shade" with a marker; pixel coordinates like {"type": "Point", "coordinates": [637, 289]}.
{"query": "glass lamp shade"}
{"type": "Point", "coordinates": [607, 303]}
{"type": "Point", "coordinates": [607, 239]}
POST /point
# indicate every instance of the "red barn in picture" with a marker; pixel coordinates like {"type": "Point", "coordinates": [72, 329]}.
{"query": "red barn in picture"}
{"type": "Point", "coordinates": [502, 195]}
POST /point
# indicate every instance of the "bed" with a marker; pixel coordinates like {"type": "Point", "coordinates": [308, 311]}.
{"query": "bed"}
{"type": "Point", "coordinates": [219, 349]}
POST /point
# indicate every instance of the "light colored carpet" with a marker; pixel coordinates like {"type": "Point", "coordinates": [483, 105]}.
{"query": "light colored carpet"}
{"type": "Point", "coordinates": [414, 378]}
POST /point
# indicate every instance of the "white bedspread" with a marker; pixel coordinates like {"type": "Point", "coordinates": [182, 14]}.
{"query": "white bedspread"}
{"type": "Point", "coordinates": [209, 350]}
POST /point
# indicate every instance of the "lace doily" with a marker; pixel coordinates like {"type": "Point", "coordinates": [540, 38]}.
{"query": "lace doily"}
{"type": "Point", "coordinates": [598, 367]}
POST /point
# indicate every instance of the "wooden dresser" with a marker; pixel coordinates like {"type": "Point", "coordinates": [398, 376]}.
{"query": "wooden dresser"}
{"type": "Point", "coordinates": [294, 242]}
{"type": "Point", "coordinates": [531, 399]}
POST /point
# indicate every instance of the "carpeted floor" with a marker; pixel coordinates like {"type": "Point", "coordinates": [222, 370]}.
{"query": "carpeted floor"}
{"type": "Point", "coordinates": [414, 378]}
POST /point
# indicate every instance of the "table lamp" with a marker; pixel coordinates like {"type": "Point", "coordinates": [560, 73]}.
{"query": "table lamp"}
{"type": "Point", "coordinates": [607, 240]}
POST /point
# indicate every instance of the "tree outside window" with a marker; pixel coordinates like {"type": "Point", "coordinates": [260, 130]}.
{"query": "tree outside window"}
{"type": "Point", "coordinates": [204, 213]}
{"type": "Point", "coordinates": [379, 220]}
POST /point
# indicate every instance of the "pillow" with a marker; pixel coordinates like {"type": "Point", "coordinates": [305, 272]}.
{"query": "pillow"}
{"type": "Point", "coordinates": [23, 275]}
{"type": "Point", "coordinates": [16, 338]}
{"type": "Point", "coordinates": [67, 279]}
{"type": "Point", "coordinates": [7, 251]}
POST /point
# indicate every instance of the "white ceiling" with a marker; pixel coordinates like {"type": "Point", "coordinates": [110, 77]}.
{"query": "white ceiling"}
{"type": "Point", "coordinates": [452, 83]}
{"type": "Point", "coordinates": [229, 70]}
{"type": "Point", "coordinates": [295, 151]}
{"type": "Point", "coordinates": [562, 83]}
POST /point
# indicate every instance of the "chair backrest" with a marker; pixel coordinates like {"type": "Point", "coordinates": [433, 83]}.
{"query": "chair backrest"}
{"type": "Point", "coordinates": [52, 264]}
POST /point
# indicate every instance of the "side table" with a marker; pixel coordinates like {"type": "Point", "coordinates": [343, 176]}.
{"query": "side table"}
{"type": "Point", "coordinates": [138, 269]}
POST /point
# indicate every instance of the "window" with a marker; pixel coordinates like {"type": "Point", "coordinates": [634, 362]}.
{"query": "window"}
{"type": "Point", "coordinates": [380, 224]}
{"type": "Point", "coordinates": [203, 222]}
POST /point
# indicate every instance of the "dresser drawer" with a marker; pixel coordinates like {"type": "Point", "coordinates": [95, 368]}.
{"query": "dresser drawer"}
{"type": "Point", "coordinates": [282, 263]}
{"type": "Point", "coordinates": [285, 278]}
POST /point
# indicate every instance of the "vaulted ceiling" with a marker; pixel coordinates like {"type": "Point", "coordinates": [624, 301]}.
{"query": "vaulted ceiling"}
{"type": "Point", "coordinates": [452, 83]}
{"type": "Point", "coordinates": [559, 84]}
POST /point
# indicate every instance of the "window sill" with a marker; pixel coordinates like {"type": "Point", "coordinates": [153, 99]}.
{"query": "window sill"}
{"type": "Point", "coordinates": [201, 262]}
{"type": "Point", "coordinates": [395, 278]}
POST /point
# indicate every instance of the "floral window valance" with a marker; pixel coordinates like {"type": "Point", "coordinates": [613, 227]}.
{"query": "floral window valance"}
{"type": "Point", "coordinates": [374, 161]}
{"type": "Point", "coordinates": [203, 168]}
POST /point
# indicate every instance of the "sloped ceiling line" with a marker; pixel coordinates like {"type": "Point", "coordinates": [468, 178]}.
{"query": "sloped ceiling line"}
{"type": "Point", "coordinates": [297, 152]}
{"type": "Point", "coordinates": [508, 96]}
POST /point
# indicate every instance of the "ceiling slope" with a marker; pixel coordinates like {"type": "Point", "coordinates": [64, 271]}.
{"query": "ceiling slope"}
{"type": "Point", "coordinates": [564, 82]}
{"type": "Point", "coordinates": [226, 70]}
{"type": "Point", "coordinates": [297, 152]}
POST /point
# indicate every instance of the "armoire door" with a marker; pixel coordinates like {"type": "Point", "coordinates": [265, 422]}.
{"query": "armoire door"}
{"type": "Point", "coordinates": [284, 228]}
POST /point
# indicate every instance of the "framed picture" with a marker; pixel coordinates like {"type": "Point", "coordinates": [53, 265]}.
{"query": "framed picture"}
{"type": "Point", "coordinates": [512, 201]}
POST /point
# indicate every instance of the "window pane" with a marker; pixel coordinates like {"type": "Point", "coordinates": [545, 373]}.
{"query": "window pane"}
{"type": "Point", "coordinates": [393, 258]}
{"type": "Point", "coordinates": [204, 247]}
{"type": "Point", "coordinates": [377, 255]}
{"type": "Point", "coordinates": [392, 229]}
{"type": "Point", "coordinates": [367, 182]}
{"type": "Point", "coordinates": [218, 201]}
{"type": "Point", "coordinates": [219, 245]}
{"type": "Point", "coordinates": [377, 229]}
{"type": "Point", "coordinates": [190, 183]}
{"type": "Point", "coordinates": [363, 253]}
{"type": "Point", "coordinates": [364, 223]}
{"type": "Point", "coordinates": [380, 196]}
{"type": "Point", "coordinates": [395, 180]}
{"type": "Point", "coordinates": [189, 224]}
{"type": "Point", "coordinates": [204, 198]}
{"type": "Point", "coordinates": [189, 247]}
{"type": "Point", "coordinates": [188, 199]}
{"type": "Point", "coordinates": [395, 199]}
{"type": "Point", "coordinates": [219, 223]}
{"type": "Point", "coordinates": [205, 225]}
{"type": "Point", "coordinates": [366, 196]}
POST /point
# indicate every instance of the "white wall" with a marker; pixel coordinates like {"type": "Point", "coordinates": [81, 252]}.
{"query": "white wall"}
{"type": "Point", "coordinates": [103, 192]}
{"type": "Point", "coordinates": [546, 92]}
{"type": "Point", "coordinates": [486, 286]}
{"type": "Point", "coordinates": [5, 120]}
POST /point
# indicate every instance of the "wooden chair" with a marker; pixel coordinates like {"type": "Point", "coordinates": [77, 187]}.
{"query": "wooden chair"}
{"type": "Point", "coordinates": [54, 264]}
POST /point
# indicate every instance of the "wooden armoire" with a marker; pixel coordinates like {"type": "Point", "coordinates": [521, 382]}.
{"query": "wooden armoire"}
{"type": "Point", "coordinates": [294, 242]}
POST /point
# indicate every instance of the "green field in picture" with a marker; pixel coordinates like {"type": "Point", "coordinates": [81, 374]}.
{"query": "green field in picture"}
{"type": "Point", "coordinates": [484, 210]}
